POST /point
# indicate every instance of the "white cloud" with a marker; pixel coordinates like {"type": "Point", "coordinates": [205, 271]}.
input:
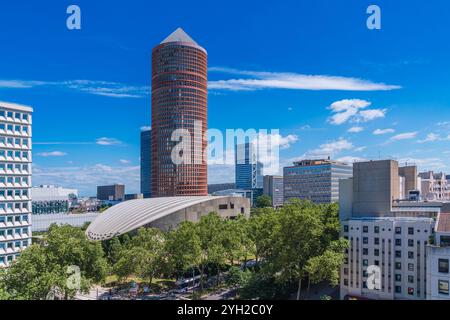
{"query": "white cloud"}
{"type": "Point", "coordinates": [108, 141]}
{"type": "Point", "coordinates": [378, 132]}
{"type": "Point", "coordinates": [355, 129]}
{"type": "Point", "coordinates": [255, 80]}
{"type": "Point", "coordinates": [404, 136]}
{"type": "Point", "coordinates": [52, 154]}
{"type": "Point", "coordinates": [360, 149]}
{"type": "Point", "coordinates": [146, 128]}
{"type": "Point", "coordinates": [101, 88]}
{"type": "Point", "coordinates": [349, 110]}
{"type": "Point", "coordinates": [330, 148]}
{"type": "Point", "coordinates": [124, 161]}
{"type": "Point", "coordinates": [351, 159]}
{"type": "Point", "coordinates": [433, 137]}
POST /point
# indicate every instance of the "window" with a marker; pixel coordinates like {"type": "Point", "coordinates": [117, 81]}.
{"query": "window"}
{"type": "Point", "coordinates": [365, 251]}
{"type": "Point", "coordinates": [410, 254]}
{"type": "Point", "coordinates": [398, 277]}
{"type": "Point", "coordinates": [376, 241]}
{"type": "Point", "coordinates": [398, 266]}
{"type": "Point", "coordinates": [443, 287]}
{"type": "Point", "coordinates": [376, 229]}
{"type": "Point", "coordinates": [365, 262]}
{"type": "Point", "coordinates": [398, 289]}
{"type": "Point", "coordinates": [398, 230]}
{"type": "Point", "coordinates": [376, 252]}
{"type": "Point", "coordinates": [398, 254]}
{"type": "Point", "coordinates": [410, 243]}
{"type": "Point", "coordinates": [443, 265]}
{"type": "Point", "coordinates": [410, 230]}
{"type": "Point", "coordinates": [410, 266]}
{"type": "Point", "coordinates": [398, 242]}
{"type": "Point", "coordinates": [365, 229]}
{"type": "Point", "coordinates": [365, 240]}
{"type": "Point", "coordinates": [411, 291]}
{"type": "Point", "coordinates": [346, 282]}
{"type": "Point", "coordinates": [345, 228]}
{"type": "Point", "coordinates": [223, 206]}
{"type": "Point", "coordinates": [410, 279]}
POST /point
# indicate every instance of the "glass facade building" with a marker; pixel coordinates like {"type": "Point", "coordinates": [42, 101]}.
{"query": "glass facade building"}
{"type": "Point", "coordinates": [315, 180]}
{"type": "Point", "coordinates": [179, 105]}
{"type": "Point", "coordinates": [15, 180]}
{"type": "Point", "coordinates": [248, 170]}
{"type": "Point", "coordinates": [146, 163]}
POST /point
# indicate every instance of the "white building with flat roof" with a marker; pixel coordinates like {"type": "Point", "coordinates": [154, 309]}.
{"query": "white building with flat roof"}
{"type": "Point", "coordinates": [15, 180]}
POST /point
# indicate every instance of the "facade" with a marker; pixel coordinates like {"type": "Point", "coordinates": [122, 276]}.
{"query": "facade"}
{"type": "Point", "coordinates": [273, 187]}
{"type": "Point", "coordinates": [15, 180]}
{"type": "Point", "coordinates": [115, 192]}
{"type": "Point", "coordinates": [249, 194]}
{"type": "Point", "coordinates": [220, 187]}
{"type": "Point", "coordinates": [397, 246]}
{"type": "Point", "coordinates": [164, 213]}
{"type": "Point", "coordinates": [146, 163]}
{"type": "Point", "coordinates": [248, 170]}
{"type": "Point", "coordinates": [179, 107]}
{"type": "Point", "coordinates": [134, 196]}
{"type": "Point", "coordinates": [52, 200]}
{"type": "Point", "coordinates": [434, 186]}
{"type": "Point", "coordinates": [438, 275]}
{"type": "Point", "coordinates": [389, 233]}
{"type": "Point", "coordinates": [315, 180]}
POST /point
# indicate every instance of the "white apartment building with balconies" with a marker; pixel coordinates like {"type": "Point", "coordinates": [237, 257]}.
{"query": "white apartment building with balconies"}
{"type": "Point", "coordinates": [15, 180]}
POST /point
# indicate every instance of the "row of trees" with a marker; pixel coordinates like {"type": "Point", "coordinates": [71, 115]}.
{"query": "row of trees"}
{"type": "Point", "coordinates": [290, 245]}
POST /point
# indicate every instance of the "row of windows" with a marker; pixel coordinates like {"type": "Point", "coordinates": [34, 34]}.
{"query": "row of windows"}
{"type": "Point", "coordinates": [16, 129]}
{"type": "Point", "coordinates": [14, 193]}
{"type": "Point", "coordinates": [11, 219]}
{"type": "Point", "coordinates": [14, 154]}
{"type": "Point", "coordinates": [8, 259]}
{"type": "Point", "coordinates": [16, 167]}
{"type": "Point", "coordinates": [14, 115]}
{"type": "Point", "coordinates": [376, 229]}
{"type": "Point", "coordinates": [17, 142]}
{"type": "Point", "coordinates": [16, 206]}
{"type": "Point", "coordinates": [13, 232]}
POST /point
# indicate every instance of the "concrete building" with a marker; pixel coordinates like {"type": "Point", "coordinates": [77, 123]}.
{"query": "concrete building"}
{"type": "Point", "coordinates": [133, 196]}
{"type": "Point", "coordinates": [15, 180]}
{"type": "Point", "coordinates": [273, 187]}
{"type": "Point", "coordinates": [385, 232]}
{"type": "Point", "coordinates": [52, 199]}
{"type": "Point", "coordinates": [315, 180]}
{"type": "Point", "coordinates": [220, 187]}
{"type": "Point", "coordinates": [115, 192]}
{"type": "Point", "coordinates": [249, 194]}
{"type": "Point", "coordinates": [41, 223]}
{"type": "Point", "coordinates": [434, 186]}
{"type": "Point", "coordinates": [164, 213]}
{"type": "Point", "coordinates": [438, 252]}
{"type": "Point", "coordinates": [146, 163]}
{"type": "Point", "coordinates": [179, 104]}
{"type": "Point", "coordinates": [248, 170]}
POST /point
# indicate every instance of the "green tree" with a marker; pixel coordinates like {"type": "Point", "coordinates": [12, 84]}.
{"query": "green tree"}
{"type": "Point", "coordinates": [263, 201]}
{"type": "Point", "coordinates": [182, 248]}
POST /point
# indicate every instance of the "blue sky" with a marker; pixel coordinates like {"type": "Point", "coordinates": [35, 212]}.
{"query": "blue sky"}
{"type": "Point", "coordinates": [89, 87]}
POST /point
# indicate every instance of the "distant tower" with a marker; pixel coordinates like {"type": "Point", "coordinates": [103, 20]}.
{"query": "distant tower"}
{"type": "Point", "coordinates": [179, 99]}
{"type": "Point", "coordinates": [248, 170]}
{"type": "Point", "coordinates": [146, 163]}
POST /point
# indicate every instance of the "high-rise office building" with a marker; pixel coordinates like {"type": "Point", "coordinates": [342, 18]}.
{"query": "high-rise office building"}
{"type": "Point", "coordinates": [15, 180]}
{"type": "Point", "coordinates": [273, 187]}
{"type": "Point", "coordinates": [248, 170]}
{"type": "Point", "coordinates": [179, 108]}
{"type": "Point", "coordinates": [146, 163]}
{"type": "Point", "coordinates": [315, 180]}
{"type": "Point", "coordinates": [115, 192]}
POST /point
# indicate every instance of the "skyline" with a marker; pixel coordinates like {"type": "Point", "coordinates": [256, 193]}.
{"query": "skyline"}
{"type": "Point", "coordinates": [385, 97]}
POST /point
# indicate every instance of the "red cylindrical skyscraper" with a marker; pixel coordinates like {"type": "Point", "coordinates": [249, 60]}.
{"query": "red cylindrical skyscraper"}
{"type": "Point", "coordinates": [179, 101]}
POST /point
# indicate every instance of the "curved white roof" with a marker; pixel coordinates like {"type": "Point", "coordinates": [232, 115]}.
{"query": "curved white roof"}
{"type": "Point", "coordinates": [131, 215]}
